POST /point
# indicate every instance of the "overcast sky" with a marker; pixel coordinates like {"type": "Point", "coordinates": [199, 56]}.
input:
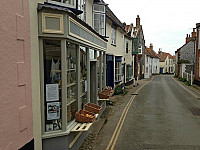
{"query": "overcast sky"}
{"type": "Point", "coordinates": [165, 22]}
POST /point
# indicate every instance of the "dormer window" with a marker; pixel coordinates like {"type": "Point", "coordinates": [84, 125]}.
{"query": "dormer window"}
{"type": "Point", "coordinates": [66, 3]}
{"type": "Point", "coordinates": [99, 18]}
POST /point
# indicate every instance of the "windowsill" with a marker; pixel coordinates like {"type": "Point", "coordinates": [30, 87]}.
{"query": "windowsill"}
{"type": "Point", "coordinates": [114, 45]}
{"type": "Point", "coordinates": [116, 82]}
{"type": "Point", "coordinates": [58, 133]}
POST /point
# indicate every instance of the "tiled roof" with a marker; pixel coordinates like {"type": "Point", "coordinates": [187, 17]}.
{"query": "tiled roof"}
{"type": "Point", "coordinates": [164, 55]}
{"type": "Point", "coordinates": [152, 53]}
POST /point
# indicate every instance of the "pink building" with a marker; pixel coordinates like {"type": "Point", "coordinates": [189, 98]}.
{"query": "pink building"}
{"type": "Point", "coordinates": [16, 125]}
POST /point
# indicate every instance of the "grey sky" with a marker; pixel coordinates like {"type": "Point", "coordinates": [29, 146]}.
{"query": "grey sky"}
{"type": "Point", "coordinates": [165, 22]}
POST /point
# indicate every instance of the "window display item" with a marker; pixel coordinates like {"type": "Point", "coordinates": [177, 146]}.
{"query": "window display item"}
{"type": "Point", "coordinates": [84, 116]}
{"type": "Point", "coordinates": [53, 110]}
{"type": "Point", "coordinates": [93, 108]}
{"type": "Point", "coordinates": [52, 92]}
{"type": "Point", "coordinates": [54, 68]}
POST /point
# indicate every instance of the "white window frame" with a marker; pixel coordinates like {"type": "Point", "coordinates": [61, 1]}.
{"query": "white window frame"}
{"type": "Point", "coordinates": [82, 7]}
{"type": "Point", "coordinates": [101, 29]}
{"type": "Point", "coordinates": [140, 49]}
{"type": "Point", "coordinates": [62, 3]}
{"type": "Point", "coordinates": [118, 71]}
{"type": "Point", "coordinates": [113, 36]}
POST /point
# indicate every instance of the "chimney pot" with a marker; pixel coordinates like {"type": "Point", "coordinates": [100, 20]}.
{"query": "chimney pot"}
{"type": "Point", "coordinates": [151, 46]}
{"type": "Point", "coordinates": [194, 33]}
{"type": "Point", "coordinates": [187, 39]}
{"type": "Point", "coordinates": [137, 21]}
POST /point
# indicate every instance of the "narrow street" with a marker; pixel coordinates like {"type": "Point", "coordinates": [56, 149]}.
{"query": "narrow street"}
{"type": "Point", "coordinates": [158, 118]}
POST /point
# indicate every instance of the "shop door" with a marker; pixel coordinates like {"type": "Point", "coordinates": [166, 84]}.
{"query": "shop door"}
{"type": "Point", "coordinates": [93, 82]}
{"type": "Point", "coordinates": [110, 74]}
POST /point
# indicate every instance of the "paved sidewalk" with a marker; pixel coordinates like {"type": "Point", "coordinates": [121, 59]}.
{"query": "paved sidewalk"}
{"type": "Point", "coordinates": [112, 112]}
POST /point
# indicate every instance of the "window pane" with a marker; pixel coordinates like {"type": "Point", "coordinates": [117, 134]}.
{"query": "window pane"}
{"type": "Point", "coordinates": [52, 85]}
{"type": "Point", "coordinates": [83, 75]}
{"type": "Point", "coordinates": [100, 8]}
{"type": "Point", "coordinates": [71, 81]}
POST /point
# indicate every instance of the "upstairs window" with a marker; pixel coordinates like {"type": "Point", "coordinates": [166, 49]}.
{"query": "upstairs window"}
{"type": "Point", "coordinates": [126, 46]}
{"type": "Point", "coordinates": [99, 17]}
{"type": "Point", "coordinates": [82, 6]}
{"type": "Point", "coordinates": [67, 3]}
{"type": "Point", "coordinates": [140, 49]}
{"type": "Point", "coordinates": [113, 36]}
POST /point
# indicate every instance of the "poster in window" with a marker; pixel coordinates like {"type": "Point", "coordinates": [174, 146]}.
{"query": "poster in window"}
{"type": "Point", "coordinates": [53, 110]}
{"type": "Point", "coordinates": [52, 92]}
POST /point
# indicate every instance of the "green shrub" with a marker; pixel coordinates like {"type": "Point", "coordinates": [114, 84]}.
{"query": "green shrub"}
{"type": "Point", "coordinates": [188, 83]}
{"type": "Point", "coordinates": [118, 90]}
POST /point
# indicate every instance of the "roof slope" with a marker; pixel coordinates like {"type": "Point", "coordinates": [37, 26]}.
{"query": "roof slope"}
{"type": "Point", "coordinates": [152, 53]}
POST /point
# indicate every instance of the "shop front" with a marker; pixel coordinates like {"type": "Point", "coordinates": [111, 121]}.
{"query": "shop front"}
{"type": "Point", "coordinates": [72, 60]}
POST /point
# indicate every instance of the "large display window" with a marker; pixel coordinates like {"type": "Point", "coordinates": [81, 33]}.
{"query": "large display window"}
{"type": "Point", "coordinates": [64, 72]}
{"type": "Point", "coordinates": [52, 85]}
{"type": "Point", "coordinates": [71, 81]}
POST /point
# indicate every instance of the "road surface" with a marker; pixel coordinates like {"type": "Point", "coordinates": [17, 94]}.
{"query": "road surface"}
{"type": "Point", "coordinates": [159, 117]}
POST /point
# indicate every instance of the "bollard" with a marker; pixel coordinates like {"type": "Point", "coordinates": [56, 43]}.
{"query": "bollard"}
{"type": "Point", "coordinates": [134, 82]}
{"type": "Point", "coordinates": [187, 77]}
{"type": "Point", "coordinates": [137, 81]}
{"type": "Point", "coordinates": [191, 77]}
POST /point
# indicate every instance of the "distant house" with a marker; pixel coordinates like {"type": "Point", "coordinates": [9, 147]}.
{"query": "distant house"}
{"type": "Point", "coordinates": [197, 65]}
{"type": "Point", "coordinates": [139, 49]}
{"type": "Point", "coordinates": [186, 54]}
{"type": "Point", "coordinates": [119, 60]}
{"type": "Point", "coordinates": [166, 62]}
{"type": "Point", "coordinates": [152, 65]}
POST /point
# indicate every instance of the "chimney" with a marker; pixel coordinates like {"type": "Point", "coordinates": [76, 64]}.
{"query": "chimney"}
{"type": "Point", "coordinates": [187, 39]}
{"type": "Point", "coordinates": [137, 21]}
{"type": "Point", "coordinates": [160, 51]}
{"type": "Point", "coordinates": [151, 46]}
{"type": "Point", "coordinates": [194, 33]}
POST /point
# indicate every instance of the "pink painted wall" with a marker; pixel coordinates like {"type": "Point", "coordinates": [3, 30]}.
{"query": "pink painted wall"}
{"type": "Point", "coordinates": [16, 125]}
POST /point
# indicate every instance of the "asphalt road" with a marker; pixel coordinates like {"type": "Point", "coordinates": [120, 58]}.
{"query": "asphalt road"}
{"type": "Point", "coordinates": [158, 118]}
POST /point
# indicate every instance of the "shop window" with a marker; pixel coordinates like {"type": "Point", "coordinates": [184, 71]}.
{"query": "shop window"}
{"type": "Point", "coordinates": [52, 23]}
{"type": "Point", "coordinates": [52, 85]}
{"type": "Point", "coordinates": [113, 36]}
{"type": "Point", "coordinates": [83, 75]}
{"type": "Point", "coordinates": [66, 3]}
{"type": "Point", "coordinates": [99, 18]}
{"type": "Point", "coordinates": [71, 81]}
{"type": "Point", "coordinates": [118, 71]}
